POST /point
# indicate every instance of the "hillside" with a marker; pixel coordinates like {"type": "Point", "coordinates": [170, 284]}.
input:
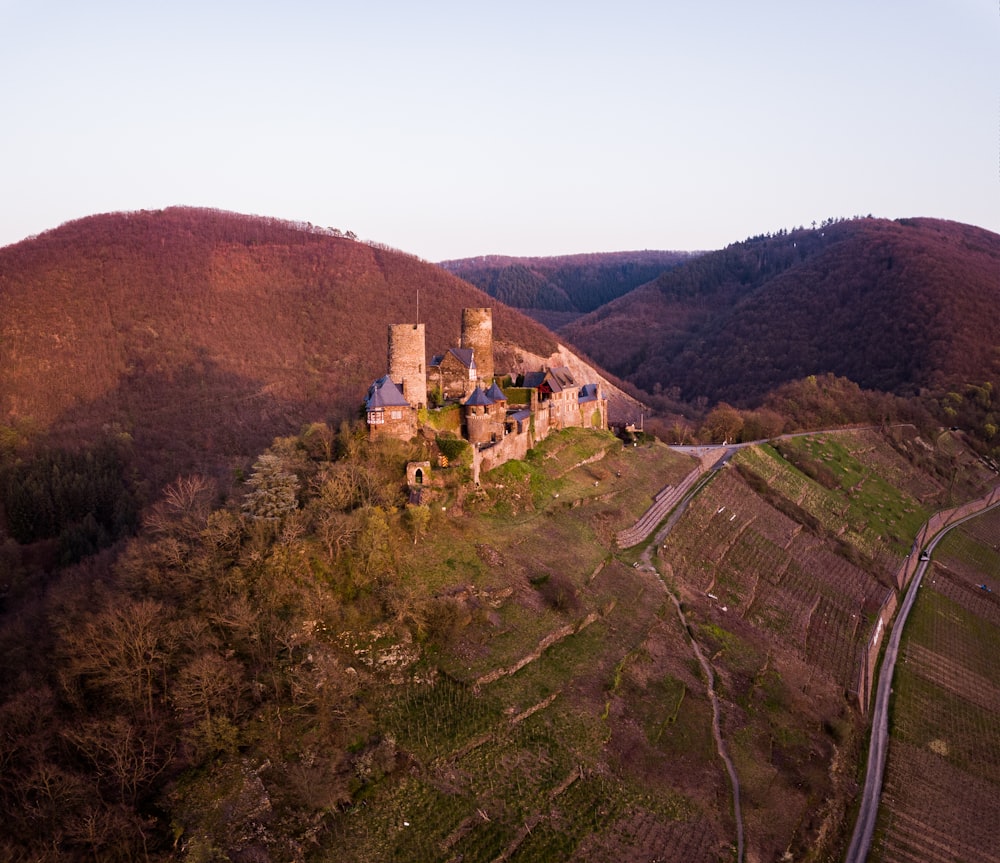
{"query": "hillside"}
{"type": "Point", "coordinates": [556, 290]}
{"type": "Point", "coordinates": [893, 306]}
{"type": "Point", "coordinates": [196, 336]}
{"type": "Point", "coordinates": [484, 676]}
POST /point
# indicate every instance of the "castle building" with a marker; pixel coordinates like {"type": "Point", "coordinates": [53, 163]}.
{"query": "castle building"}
{"type": "Point", "coordinates": [387, 411]}
{"type": "Point", "coordinates": [547, 400]}
{"type": "Point", "coordinates": [477, 336]}
{"type": "Point", "coordinates": [485, 415]}
{"type": "Point", "coordinates": [454, 373]}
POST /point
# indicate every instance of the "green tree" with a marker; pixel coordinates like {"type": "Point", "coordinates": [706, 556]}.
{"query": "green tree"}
{"type": "Point", "coordinates": [417, 517]}
{"type": "Point", "coordinates": [275, 489]}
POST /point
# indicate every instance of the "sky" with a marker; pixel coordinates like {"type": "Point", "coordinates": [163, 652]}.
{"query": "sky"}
{"type": "Point", "coordinates": [527, 127]}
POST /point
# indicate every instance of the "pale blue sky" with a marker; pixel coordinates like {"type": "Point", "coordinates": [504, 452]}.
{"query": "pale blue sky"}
{"type": "Point", "coordinates": [450, 129]}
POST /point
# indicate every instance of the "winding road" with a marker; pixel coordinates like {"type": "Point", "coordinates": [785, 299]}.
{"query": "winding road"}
{"type": "Point", "coordinates": [878, 749]}
{"type": "Point", "coordinates": [864, 827]}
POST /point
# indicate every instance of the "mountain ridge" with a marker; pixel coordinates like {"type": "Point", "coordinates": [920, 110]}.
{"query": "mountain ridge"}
{"type": "Point", "coordinates": [896, 306]}
{"type": "Point", "coordinates": [566, 285]}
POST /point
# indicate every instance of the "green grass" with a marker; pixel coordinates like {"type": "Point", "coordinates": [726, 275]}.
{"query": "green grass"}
{"type": "Point", "coordinates": [924, 712]}
{"type": "Point", "coordinates": [941, 624]}
{"type": "Point", "coordinates": [973, 552]}
{"type": "Point", "coordinates": [848, 499]}
{"type": "Point", "coordinates": [435, 719]}
{"type": "Point", "coordinates": [876, 510]}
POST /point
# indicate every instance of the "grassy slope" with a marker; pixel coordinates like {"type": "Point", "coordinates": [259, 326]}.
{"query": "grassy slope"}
{"type": "Point", "coordinates": [619, 703]}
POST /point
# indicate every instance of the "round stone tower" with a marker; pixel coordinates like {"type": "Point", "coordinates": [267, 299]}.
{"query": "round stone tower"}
{"type": "Point", "coordinates": [477, 333]}
{"type": "Point", "coordinates": [408, 362]}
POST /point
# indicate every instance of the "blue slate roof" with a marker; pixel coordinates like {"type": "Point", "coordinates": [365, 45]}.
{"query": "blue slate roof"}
{"type": "Point", "coordinates": [588, 393]}
{"type": "Point", "coordinates": [478, 399]}
{"type": "Point", "coordinates": [495, 393]}
{"type": "Point", "coordinates": [384, 394]}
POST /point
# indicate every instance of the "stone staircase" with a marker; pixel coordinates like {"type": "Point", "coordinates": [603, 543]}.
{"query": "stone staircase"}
{"type": "Point", "coordinates": [664, 501]}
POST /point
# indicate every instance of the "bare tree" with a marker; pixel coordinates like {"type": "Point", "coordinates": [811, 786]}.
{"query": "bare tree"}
{"type": "Point", "coordinates": [122, 650]}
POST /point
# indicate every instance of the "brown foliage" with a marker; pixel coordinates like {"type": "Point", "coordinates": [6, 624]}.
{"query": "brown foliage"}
{"type": "Point", "coordinates": [201, 334]}
{"type": "Point", "coordinates": [893, 306]}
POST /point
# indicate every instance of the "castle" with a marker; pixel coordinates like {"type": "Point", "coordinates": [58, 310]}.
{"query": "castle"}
{"type": "Point", "coordinates": [500, 423]}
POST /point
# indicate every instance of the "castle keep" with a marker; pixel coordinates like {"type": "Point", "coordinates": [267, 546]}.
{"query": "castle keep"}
{"type": "Point", "coordinates": [407, 355]}
{"type": "Point", "coordinates": [500, 424]}
{"type": "Point", "coordinates": [477, 336]}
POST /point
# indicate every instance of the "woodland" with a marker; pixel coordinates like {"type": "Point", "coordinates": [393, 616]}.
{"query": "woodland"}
{"type": "Point", "coordinates": [903, 307]}
{"type": "Point", "coordinates": [574, 284]}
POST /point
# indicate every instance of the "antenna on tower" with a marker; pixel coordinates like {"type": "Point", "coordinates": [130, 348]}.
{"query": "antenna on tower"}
{"type": "Point", "coordinates": [418, 305]}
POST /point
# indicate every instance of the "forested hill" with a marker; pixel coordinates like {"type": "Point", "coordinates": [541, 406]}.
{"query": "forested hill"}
{"type": "Point", "coordinates": [572, 284]}
{"type": "Point", "coordinates": [896, 306]}
{"type": "Point", "coordinates": [198, 335]}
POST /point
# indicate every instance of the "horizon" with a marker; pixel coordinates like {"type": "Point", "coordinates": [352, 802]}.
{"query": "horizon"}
{"type": "Point", "coordinates": [450, 132]}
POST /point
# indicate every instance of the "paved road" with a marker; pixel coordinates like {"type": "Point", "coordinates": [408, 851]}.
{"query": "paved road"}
{"type": "Point", "coordinates": [864, 828]}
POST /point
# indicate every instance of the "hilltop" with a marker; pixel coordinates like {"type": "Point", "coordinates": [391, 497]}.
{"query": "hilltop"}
{"type": "Point", "coordinates": [895, 306]}
{"type": "Point", "coordinates": [197, 335]}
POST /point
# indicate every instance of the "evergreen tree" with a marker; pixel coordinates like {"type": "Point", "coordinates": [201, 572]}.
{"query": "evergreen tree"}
{"type": "Point", "coordinates": [275, 489]}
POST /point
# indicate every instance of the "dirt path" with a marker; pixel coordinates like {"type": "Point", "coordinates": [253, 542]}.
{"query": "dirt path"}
{"type": "Point", "coordinates": [646, 565]}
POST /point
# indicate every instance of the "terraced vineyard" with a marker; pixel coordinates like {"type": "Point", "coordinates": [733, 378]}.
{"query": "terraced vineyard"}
{"type": "Point", "coordinates": [566, 722]}
{"type": "Point", "coordinates": [941, 800]}
{"type": "Point", "coordinates": [764, 568]}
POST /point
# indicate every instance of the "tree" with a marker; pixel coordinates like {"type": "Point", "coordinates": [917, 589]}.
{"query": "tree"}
{"type": "Point", "coordinates": [122, 650]}
{"type": "Point", "coordinates": [723, 424]}
{"type": "Point", "coordinates": [319, 439]}
{"type": "Point", "coordinates": [184, 507]}
{"type": "Point", "coordinates": [125, 758]}
{"type": "Point", "coordinates": [275, 489]}
{"type": "Point", "coordinates": [373, 547]}
{"type": "Point", "coordinates": [417, 517]}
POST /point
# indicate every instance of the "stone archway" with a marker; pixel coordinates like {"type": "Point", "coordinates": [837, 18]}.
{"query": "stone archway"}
{"type": "Point", "coordinates": [418, 473]}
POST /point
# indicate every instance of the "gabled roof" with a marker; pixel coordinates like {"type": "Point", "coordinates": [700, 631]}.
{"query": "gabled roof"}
{"type": "Point", "coordinates": [521, 415]}
{"type": "Point", "coordinates": [588, 393]}
{"type": "Point", "coordinates": [463, 355]}
{"type": "Point", "coordinates": [533, 380]}
{"type": "Point", "coordinates": [495, 393]}
{"type": "Point", "coordinates": [383, 394]}
{"type": "Point", "coordinates": [558, 378]}
{"type": "Point", "coordinates": [563, 375]}
{"type": "Point", "coordinates": [478, 399]}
